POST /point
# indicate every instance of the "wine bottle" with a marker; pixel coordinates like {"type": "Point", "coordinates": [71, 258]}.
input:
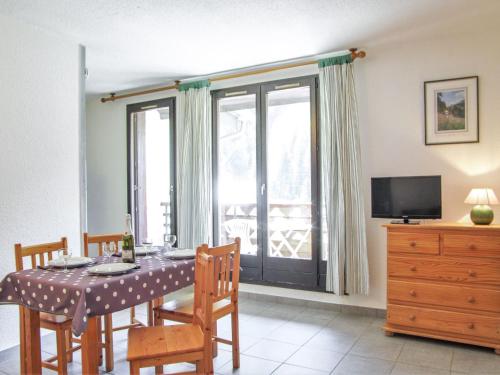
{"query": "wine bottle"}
{"type": "Point", "coordinates": [128, 248]}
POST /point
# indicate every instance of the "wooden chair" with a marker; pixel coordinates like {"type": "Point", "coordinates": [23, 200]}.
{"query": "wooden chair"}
{"type": "Point", "coordinates": [58, 323]}
{"type": "Point", "coordinates": [192, 342]}
{"type": "Point", "coordinates": [107, 345]}
{"type": "Point", "coordinates": [225, 287]}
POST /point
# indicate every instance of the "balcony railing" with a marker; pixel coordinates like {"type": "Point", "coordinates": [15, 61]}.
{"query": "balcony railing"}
{"type": "Point", "coordinates": [289, 228]}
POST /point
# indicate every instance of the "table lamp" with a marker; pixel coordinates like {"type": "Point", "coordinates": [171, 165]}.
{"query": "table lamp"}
{"type": "Point", "coordinates": [481, 213]}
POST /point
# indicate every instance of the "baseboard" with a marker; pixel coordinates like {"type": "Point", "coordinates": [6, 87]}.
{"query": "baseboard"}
{"type": "Point", "coordinates": [357, 310]}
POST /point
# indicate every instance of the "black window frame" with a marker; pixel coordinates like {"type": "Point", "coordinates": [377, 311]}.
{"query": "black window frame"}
{"type": "Point", "coordinates": [169, 102]}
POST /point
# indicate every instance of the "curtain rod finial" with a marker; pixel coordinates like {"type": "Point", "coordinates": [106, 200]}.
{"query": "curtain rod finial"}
{"type": "Point", "coordinates": [110, 98]}
{"type": "Point", "coordinates": [355, 54]}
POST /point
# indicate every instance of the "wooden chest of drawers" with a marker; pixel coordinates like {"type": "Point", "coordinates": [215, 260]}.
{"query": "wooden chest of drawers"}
{"type": "Point", "coordinates": [444, 282]}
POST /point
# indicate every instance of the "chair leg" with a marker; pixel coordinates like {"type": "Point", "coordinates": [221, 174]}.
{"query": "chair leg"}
{"type": "Point", "coordinates": [214, 343]}
{"type": "Point", "coordinates": [200, 367]}
{"type": "Point", "coordinates": [108, 342]}
{"type": "Point", "coordinates": [69, 345]}
{"type": "Point", "coordinates": [62, 359]}
{"type": "Point", "coordinates": [235, 337]}
{"type": "Point", "coordinates": [99, 340]}
{"type": "Point", "coordinates": [132, 315]}
{"type": "Point", "coordinates": [157, 321]}
{"type": "Point", "coordinates": [150, 314]}
{"type": "Point", "coordinates": [134, 368]}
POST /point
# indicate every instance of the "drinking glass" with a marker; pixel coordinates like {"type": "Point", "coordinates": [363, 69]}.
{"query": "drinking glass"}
{"type": "Point", "coordinates": [169, 241]}
{"type": "Point", "coordinates": [147, 244]}
{"type": "Point", "coordinates": [65, 258]}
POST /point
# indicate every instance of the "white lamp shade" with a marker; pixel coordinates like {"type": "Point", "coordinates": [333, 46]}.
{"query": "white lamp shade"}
{"type": "Point", "coordinates": [481, 196]}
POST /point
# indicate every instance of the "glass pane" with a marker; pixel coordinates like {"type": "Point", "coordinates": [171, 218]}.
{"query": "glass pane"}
{"type": "Point", "coordinates": [289, 173]}
{"type": "Point", "coordinates": [237, 171]}
{"type": "Point", "coordinates": [153, 175]}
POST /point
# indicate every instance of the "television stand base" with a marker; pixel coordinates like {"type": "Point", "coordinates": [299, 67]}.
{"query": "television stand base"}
{"type": "Point", "coordinates": [405, 221]}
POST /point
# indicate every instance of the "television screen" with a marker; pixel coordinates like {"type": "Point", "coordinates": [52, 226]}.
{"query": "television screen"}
{"type": "Point", "coordinates": [416, 197]}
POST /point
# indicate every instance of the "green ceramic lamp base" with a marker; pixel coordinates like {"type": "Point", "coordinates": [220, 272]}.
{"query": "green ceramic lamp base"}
{"type": "Point", "coordinates": [481, 214]}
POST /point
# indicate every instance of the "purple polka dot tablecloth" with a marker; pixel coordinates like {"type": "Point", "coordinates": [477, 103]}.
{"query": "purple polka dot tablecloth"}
{"type": "Point", "coordinates": [79, 295]}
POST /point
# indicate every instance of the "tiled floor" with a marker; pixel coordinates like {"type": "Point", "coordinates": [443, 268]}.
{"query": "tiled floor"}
{"type": "Point", "coordinates": [287, 339]}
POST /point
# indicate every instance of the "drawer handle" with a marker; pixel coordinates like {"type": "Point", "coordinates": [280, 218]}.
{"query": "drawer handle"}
{"type": "Point", "coordinates": [472, 247]}
{"type": "Point", "coordinates": [413, 293]}
{"type": "Point", "coordinates": [470, 325]}
{"type": "Point", "coordinates": [471, 299]}
{"type": "Point", "coordinates": [412, 318]}
{"type": "Point", "coordinates": [472, 273]}
{"type": "Point", "coordinates": [413, 268]}
{"type": "Point", "coordinates": [413, 243]}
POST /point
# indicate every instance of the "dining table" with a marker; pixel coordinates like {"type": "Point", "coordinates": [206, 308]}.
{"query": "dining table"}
{"type": "Point", "coordinates": [82, 296]}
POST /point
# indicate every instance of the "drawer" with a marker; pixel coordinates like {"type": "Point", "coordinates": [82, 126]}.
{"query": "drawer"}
{"type": "Point", "coordinates": [445, 321]}
{"type": "Point", "coordinates": [413, 243]}
{"type": "Point", "coordinates": [444, 295]}
{"type": "Point", "coordinates": [471, 245]}
{"type": "Point", "coordinates": [470, 271]}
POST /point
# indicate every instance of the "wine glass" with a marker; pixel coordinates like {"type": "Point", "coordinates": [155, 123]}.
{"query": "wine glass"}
{"type": "Point", "coordinates": [169, 241]}
{"type": "Point", "coordinates": [61, 256]}
{"type": "Point", "coordinates": [108, 250]}
{"type": "Point", "coordinates": [147, 244]}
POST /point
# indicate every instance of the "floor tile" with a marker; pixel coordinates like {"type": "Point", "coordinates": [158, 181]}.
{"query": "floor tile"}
{"type": "Point", "coordinates": [378, 346]}
{"type": "Point", "coordinates": [294, 332]}
{"type": "Point", "coordinates": [405, 369]}
{"type": "Point", "coordinates": [427, 354]}
{"type": "Point", "coordinates": [316, 359]}
{"type": "Point", "coordinates": [250, 366]}
{"type": "Point", "coordinates": [222, 358]}
{"type": "Point", "coordinates": [245, 343]}
{"type": "Point", "coordinates": [272, 350]}
{"type": "Point", "coordinates": [471, 360]}
{"type": "Point", "coordinates": [352, 364]}
{"type": "Point", "coordinates": [286, 369]}
{"type": "Point", "coordinates": [330, 339]}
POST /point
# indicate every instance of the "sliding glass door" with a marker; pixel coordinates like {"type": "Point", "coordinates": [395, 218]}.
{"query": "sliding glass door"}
{"type": "Point", "coordinates": [265, 179]}
{"type": "Point", "coordinates": [151, 169]}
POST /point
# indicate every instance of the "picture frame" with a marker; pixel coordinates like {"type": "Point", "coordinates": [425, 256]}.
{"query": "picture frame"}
{"type": "Point", "coordinates": [451, 108]}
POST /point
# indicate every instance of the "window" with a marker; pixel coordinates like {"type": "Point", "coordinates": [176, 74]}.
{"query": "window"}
{"type": "Point", "coordinates": [265, 179]}
{"type": "Point", "coordinates": [151, 169]}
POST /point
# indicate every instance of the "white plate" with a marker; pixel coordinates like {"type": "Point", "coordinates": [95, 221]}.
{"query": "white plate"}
{"type": "Point", "coordinates": [73, 262]}
{"type": "Point", "coordinates": [112, 268]}
{"type": "Point", "coordinates": [182, 254]}
{"type": "Point", "coordinates": [141, 250]}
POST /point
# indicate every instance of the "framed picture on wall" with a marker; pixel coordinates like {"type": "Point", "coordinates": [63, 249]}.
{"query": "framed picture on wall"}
{"type": "Point", "coordinates": [451, 111]}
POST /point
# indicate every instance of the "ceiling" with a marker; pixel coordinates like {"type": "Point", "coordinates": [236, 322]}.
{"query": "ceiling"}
{"type": "Point", "coordinates": [133, 43]}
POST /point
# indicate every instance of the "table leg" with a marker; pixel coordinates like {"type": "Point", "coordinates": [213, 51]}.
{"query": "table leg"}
{"type": "Point", "coordinates": [22, 342]}
{"type": "Point", "coordinates": [90, 347]}
{"type": "Point", "coordinates": [33, 354]}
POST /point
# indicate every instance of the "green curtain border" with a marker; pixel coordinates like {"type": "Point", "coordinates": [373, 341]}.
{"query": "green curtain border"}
{"type": "Point", "coordinates": [194, 85]}
{"type": "Point", "coordinates": [335, 60]}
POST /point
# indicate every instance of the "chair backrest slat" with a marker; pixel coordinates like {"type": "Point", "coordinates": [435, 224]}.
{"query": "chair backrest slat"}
{"type": "Point", "coordinates": [226, 270]}
{"type": "Point", "coordinates": [40, 250]}
{"type": "Point", "coordinates": [100, 239]}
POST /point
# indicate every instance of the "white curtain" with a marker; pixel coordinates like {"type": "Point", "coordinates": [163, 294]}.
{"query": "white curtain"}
{"type": "Point", "coordinates": [194, 155]}
{"type": "Point", "coordinates": [341, 183]}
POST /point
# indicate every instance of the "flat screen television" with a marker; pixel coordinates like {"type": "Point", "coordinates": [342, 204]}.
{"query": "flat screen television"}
{"type": "Point", "coordinates": [416, 197]}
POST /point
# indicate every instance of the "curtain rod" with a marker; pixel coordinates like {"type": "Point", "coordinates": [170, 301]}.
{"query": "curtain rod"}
{"type": "Point", "coordinates": [112, 96]}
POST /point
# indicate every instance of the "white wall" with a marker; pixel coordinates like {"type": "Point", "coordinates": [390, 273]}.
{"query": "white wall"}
{"type": "Point", "coordinates": [40, 100]}
{"type": "Point", "coordinates": [390, 93]}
